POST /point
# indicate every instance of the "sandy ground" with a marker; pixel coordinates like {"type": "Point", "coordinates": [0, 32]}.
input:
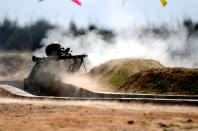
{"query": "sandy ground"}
{"type": "Point", "coordinates": [23, 115]}
{"type": "Point", "coordinates": [49, 115]}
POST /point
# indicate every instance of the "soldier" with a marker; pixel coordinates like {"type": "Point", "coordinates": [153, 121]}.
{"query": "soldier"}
{"type": "Point", "coordinates": [46, 73]}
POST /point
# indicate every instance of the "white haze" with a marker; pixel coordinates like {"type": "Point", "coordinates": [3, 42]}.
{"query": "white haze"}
{"type": "Point", "coordinates": [131, 43]}
{"type": "Point", "coordinates": [175, 50]}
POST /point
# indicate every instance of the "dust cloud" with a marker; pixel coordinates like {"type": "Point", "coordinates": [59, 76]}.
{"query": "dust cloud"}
{"type": "Point", "coordinates": [172, 48]}
{"type": "Point", "coordinates": [84, 81]}
{"type": "Point", "coordinates": [168, 44]}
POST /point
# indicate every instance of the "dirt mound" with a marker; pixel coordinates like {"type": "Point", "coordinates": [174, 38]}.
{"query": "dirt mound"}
{"type": "Point", "coordinates": [178, 81]}
{"type": "Point", "coordinates": [117, 71]}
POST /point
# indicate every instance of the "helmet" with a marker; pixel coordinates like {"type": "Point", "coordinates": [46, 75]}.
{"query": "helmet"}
{"type": "Point", "coordinates": [53, 49]}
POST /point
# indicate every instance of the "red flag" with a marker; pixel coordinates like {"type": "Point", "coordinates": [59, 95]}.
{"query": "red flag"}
{"type": "Point", "coordinates": [77, 2]}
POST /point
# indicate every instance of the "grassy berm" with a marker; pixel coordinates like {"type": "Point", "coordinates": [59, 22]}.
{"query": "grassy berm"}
{"type": "Point", "coordinates": [146, 76]}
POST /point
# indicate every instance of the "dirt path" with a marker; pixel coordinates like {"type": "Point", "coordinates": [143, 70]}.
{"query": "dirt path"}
{"type": "Point", "coordinates": [23, 115]}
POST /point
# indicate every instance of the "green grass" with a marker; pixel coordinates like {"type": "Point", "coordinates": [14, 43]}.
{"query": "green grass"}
{"type": "Point", "coordinates": [116, 78]}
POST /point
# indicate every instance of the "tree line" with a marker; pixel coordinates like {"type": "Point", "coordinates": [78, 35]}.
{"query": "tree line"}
{"type": "Point", "coordinates": [15, 37]}
{"type": "Point", "coordinates": [28, 37]}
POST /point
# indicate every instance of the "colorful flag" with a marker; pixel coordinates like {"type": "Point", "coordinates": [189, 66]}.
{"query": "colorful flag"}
{"type": "Point", "coordinates": [77, 2]}
{"type": "Point", "coordinates": [163, 2]}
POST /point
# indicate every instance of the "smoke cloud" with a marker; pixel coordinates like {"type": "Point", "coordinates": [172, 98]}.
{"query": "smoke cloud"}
{"type": "Point", "coordinates": [171, 46]}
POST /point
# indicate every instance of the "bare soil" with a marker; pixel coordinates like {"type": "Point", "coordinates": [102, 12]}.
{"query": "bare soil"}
{"type": "Point", "coordinates": [49, 115]}
{"type": "Point", "coordinates": [23, 115]}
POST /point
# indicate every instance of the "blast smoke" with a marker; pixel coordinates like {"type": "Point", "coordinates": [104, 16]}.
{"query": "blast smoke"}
{"type": "Point", "coordinates": [172, 47]}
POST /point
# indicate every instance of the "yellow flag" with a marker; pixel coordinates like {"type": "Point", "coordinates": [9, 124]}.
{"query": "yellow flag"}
{"type": "Point", "coordinates": [163, 2]}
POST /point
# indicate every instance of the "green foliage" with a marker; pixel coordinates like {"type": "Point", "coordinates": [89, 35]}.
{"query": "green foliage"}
{"type": "Point", "coordinates": [118, 77]}
{"type": "Point", "coordinates": [191, 26]}
{"type": "Point", "coordinates": [37, 32]}
{"type": "Point", "coordinates": [15, 37]}
{"type": "Point", "coordinates": [20, 38]}
{"type": "Point", "coordinates": [106, 34]}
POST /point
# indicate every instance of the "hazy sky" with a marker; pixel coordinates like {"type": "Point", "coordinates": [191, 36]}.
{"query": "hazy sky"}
{"type": "Point", "coordinates": [109, 13]}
